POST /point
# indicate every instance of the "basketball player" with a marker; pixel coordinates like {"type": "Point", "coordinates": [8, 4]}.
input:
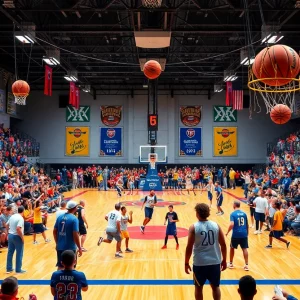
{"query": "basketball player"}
{"type": "Point", "coordinates": [149, 202]}
{"type": "Point", "coordinates": [125, 219]}
{"type": "Point", "coordinates": [119, 185]}
{"type": "Point", "coordinates": [113, 229]}
{"type": "Point", "coordinates": [172, 219]}
{"type": "Point", "coordinates": [131, 184]}
{"type": "Point", "coordinates": [205, 240]}
{"type": "Point", "coordinates": [219, 199]}
{"type": "Point", "coordinates": [189, 184]}
{"type": "Point", "coordinates": [82, 220]}
{"type": "Point", "coordinates": [240, 229]}
{"type": "Point", "coordinates": [68, 283]}
{"type": "Point", "coordinates": [210, 189]}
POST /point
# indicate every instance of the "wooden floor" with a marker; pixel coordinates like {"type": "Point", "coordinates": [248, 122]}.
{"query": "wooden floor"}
{"type": "Point", "coordinates": [150, 262]}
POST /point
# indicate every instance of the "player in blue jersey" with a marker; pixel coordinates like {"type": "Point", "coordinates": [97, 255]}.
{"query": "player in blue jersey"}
{"type": "Point", "coordinates": [68, 283]}
{"type": "Point", "coordinates": [240, 229]}
{"type": "Point", "coordinates": [172, 218]}
{"type": "Point", "coordinates": [219, 199]}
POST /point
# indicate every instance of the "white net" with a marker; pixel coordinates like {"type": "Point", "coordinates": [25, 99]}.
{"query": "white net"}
{"type": "Point", "coordinates": [151, 3]}
{"type": "Point", "coordinates": [20, 99]}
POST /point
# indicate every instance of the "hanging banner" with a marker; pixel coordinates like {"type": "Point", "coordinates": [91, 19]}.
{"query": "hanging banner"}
{"type": "Point", "coordinates": [190, 141]}
{"type": "Point", "coordinates": [225, 141]}
{"type": "Point", "coordinates": [48, 81]}
{"type": "Point", "coordinates": [224, 114]}
{"type": "Point", "coordinates": [78, 115]}
{"type": "Point", "coordinates": [11, 107]}
{"type": "Point", "coordinates": [2, 101]}
{"type": "Point", "coordinates": [77, 141]}
{"type": "Point", "coordinates": [111, 115]}
{"type": "Point", "coordinates": [111, 142]}
{"type": "Point", "coordinates": [190, 115]}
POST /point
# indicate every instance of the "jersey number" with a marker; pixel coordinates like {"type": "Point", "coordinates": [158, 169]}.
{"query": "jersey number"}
{"type": "Point", "coordinates": [209, 238]}
{"type": "Point", "coordinates": [71, 288]}
{"type": "Point", "coordinates": [112, 216]}
{"type": "Point", "coordinates": [241, 221]}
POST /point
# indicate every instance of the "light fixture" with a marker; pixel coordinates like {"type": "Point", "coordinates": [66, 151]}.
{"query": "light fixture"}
{"type": "Point", "coordinates": [218, 88]}
{"type": "Point", "coordinates": [86, 88]}
{"type": "Point", "coordinates": [8, 4]}
{"type": "Point", "coordinates": [78, 14]}
{"type": "Point", "coordinates": [229, 75]}
{"type": "Point", "coordinates": [27, 33]}
{"type": "Point", "coordinates": [246, 57]}
{"type": "Point", "coordinates": [270, 34]}
{"type": "Point", "coordinates": [52, 57]}
{"type": "Point", "coordinates": [71, 76]}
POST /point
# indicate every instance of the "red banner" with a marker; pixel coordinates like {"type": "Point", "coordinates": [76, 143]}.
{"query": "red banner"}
{"type": "Point", "coordinates": [72, 94]}
{"type": "Point", "coordinates": [48, 81]}
{"type": "Point", "coordinates": [77, 97]}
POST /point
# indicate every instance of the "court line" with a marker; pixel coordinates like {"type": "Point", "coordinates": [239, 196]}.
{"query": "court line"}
{"type": "Point", "coordinates": [74, 196]}
{"type": "Point", "coordinates": [135, 282]}
{"type": "Point", "coordinates": [236, 197]}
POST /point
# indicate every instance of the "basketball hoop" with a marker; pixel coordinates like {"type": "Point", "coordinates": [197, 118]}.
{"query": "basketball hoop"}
{"type": "Point", "coordinates": [151, 3]}
{"type": "Point", "coordinates": [20, 90]}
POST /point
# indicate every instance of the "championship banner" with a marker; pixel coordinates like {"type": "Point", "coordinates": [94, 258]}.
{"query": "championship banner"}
{"type": "Point", "coordinates": [2, 101]}
{"type": "Point", "coordinates": [225, 141]}
{"type": "Point", "coordinates": [11, 107]}
{"type": "Point", "coordinates": [78, 115]}
{"type": "Point", "coordinates": [111, 115]}
{"type": "Point", "coordinates": [190, 115]}
{"type": "Point", "coordinates": [48, 81]}
{"type": "Point", "coordinates": [77, 141]}
{"type": "Point", "coordinates": [111, 142]}
{"type": "Point", "coordinates": [190, 141]}
{"type": "Point", "coordinates": [224, 114]}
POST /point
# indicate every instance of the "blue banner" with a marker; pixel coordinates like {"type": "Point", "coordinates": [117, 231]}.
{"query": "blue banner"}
{"type": "Point", "coordinates": [190, 142]}
{"type": "Point", "coordinates": [111, 142]}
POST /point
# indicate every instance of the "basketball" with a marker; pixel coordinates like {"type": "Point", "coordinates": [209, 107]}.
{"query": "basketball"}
{"type": "Point", "coordinates": [278, 61]}
{"type": "Point", "coordinates": [20, 87]}
{"type": "Point", "coordinates": [152, 69]}
{"type": "Point", "coordinates": [280, 114]}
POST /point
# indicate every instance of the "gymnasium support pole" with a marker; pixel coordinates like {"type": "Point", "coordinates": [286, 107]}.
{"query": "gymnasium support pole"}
{"type": "Point", "coordinates": [152, 109]}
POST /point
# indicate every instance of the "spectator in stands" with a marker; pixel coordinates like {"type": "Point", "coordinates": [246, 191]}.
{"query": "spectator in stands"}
{"type": "Point", "coordinates": [295, 225]}
{"type": "Point", "coordinates": [9, 289]}
{"type": "Point", "coordinates": [232, 174]}
{"type": "Point", "coordinates": [247, 287]}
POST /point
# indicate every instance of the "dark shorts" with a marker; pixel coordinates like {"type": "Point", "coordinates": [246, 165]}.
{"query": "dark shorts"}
{"type": "Point", "coordinates": [148, 212]}
{"type": "Point", "coordinates": [171, 230]}
{"type": "Point", "coordinates": [276, 234]}
{"type": "Point", "coordinates": [220, 201]}
{"type": "Point", "coordinates": [260, 217]}
{"type": "Point", "coordinates": [113, 235]}
{"type": "Point", "coordinates": [82, 230]}
{"type": "Point", "coordinates": [38, 228]}
{"type": "Point", "coordinates": [252, 211]}
{"type": "Point", "coordinates": [209, 195]}
{"type": "Point", "coordinates": [235, 242]}
{"type": "Point", "coordinates": [58, 254]}
{"type": "Point", "coordinates": [211, 273]}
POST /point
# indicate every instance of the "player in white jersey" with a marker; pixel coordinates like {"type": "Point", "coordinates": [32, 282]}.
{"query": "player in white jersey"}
{"type": "Point", "coordinates": [210, 189]}
{"type": "Point", "coordinates": [149, 202]}
{"type": "Point", "coordinates": [113, 229]}
{"type": "Point", "coordinates": [189, 184]}
{"type": "Point", "coordinates": [120, 185]}
{"type": "Point", "coordinates": [205, 240]}
{"type": "Point", "coordinates": [125, 219]}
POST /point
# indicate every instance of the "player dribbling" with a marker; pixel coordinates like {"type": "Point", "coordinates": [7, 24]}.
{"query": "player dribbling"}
{"type": "Point", "coordinates": [149, 202]}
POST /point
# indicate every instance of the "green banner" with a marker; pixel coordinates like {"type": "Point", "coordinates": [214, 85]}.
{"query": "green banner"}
{"type": "Point", "coordinates": [78, 115]}
{"type": "Point", "coordinates": [224, 114]}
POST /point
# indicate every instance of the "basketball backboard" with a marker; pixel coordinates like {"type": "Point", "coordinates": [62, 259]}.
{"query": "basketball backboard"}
{"type": "Point", "coordinates": [148, 152]}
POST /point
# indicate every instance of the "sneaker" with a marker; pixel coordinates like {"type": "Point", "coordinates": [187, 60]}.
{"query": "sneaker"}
{"type": "Point", "coordinates": [230, 266]}
{"type": "Point", "coordinates": [21, 272]}
{"type": "Point", "coordinates": [35, 242]}
{"type": "Point", "coordinates": [10, 271]}
{"type": "Point", "coordinates": [100, 241]}
{"type": "Point", "coordinates": [164, 247]}
{"type": "Point", "coordinates": [83, 249]}
{"type": "Point", "coordinates": [222, 213]}
{"type": "Point", "coordinates": [118, 255]}
{"type": "Point", "coordinates": [246, 268]}
{"type": "Point", "coordinates": [142, 228]}
{"type": "Point", "coordinates": [120, 251]}
{"type": "Point", "coordinates": [177, 247]}
{"type": "Point", "coordinates": [259, 232]}
{"type": "Point", "coordinates": [218, 214]}
{"type": "Point", "coordinates": [269, 247]}
{"type": "Point", "coordinates": [288, 245]}
{"type": "Point", "coordinates": [256, 232]}
{"type": "Point", "coordinates": [128, 250]}
{"type": "Point", "coordinates": [47, 241]}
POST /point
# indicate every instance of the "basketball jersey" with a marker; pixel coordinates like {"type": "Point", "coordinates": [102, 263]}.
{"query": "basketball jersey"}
{"type": "Point", "coordinates": [188, 179]}
{"type": "Point", "coordinates": [79, 215]}
{"type": "Point", "coordinates": [68, 284]}
{"type": "Point", "coordinates": [113, 217]}
{"type": "Point", "coordinates": [171, 216]}
{"type": "Point", "coordinates": [219, 191]}
{"type": "Point", "coordinates": [150, 201]}
{"type": "Point", "coordinates": [239, 218]}
{"type": "Point", "coordinates": [124, 222]}
{"type": "Point", "coordinates": [206, 247]}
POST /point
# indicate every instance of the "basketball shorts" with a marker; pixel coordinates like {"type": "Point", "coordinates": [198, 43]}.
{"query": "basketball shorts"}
{"type": "Point", "coordinates": [113, 235]}
{"type": "Point", "coordinates": [148, 212]}
{"type": "Point", "coordinates": [38, 228]}
{"type": "Point", "coordinates": [82, 230]}
{"type": "Point", "coordinates": [220, 201]}
{"type": "Point", "coordinates": [276, 234]}
{"type": "Point", "coordinates": [125, 234]}
{"type": "Point", "coordinates": [210, 196]}
{"type": "Point", "coordinates": [260, 217]}
{"type": "Point", "coordinates": [235, 242]}
{"type": "Point", "coordinates": [58, 254]}
{"type": "Point", "coordinates": [252, 211]}
{"type": "Point", "coordinates": [212, 273]}
{"type": "Point", "coordinates": [171, 230]}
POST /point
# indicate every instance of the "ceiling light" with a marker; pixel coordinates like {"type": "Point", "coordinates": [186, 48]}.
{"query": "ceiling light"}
{"type": "Point", "coordinates": [71, 76]}
{"type": "Point", "coordinates": [218, 88]}
{"type": "Point", "coordinates": [229, 75]}
{"type": "Point", "coordinates": [270, 34]}
{"type": "Point", "coordinates": [8, 4]}
{"type": "Point", "coordinates": [26, 34]}
{"type": "Point", "coordinates": [246, 57]}
{"type": "Point", "coordinates": [78, 14]}
{"type": "Point", "coordinates": [52, 57]}
{"type": "Point", "coordinates": [64, 14]}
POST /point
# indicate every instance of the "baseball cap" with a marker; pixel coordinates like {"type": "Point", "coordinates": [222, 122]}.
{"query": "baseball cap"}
{"type": "Point", "coordinates": [71, 205]}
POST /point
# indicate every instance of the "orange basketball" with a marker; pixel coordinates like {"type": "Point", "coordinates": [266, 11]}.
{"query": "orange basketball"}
{"type": "Point", "coordinates": [152, 69]}
{"type": "Point", "coordinates": [278, 61]}
{"type": "Point", "coordinates": [20, 88]}
{"type": "Point", "coordinates": [280, 114]}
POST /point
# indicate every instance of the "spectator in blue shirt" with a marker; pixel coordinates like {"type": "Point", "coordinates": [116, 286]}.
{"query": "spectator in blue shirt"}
{"type": "Point", "coordinates": [286, 182]}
